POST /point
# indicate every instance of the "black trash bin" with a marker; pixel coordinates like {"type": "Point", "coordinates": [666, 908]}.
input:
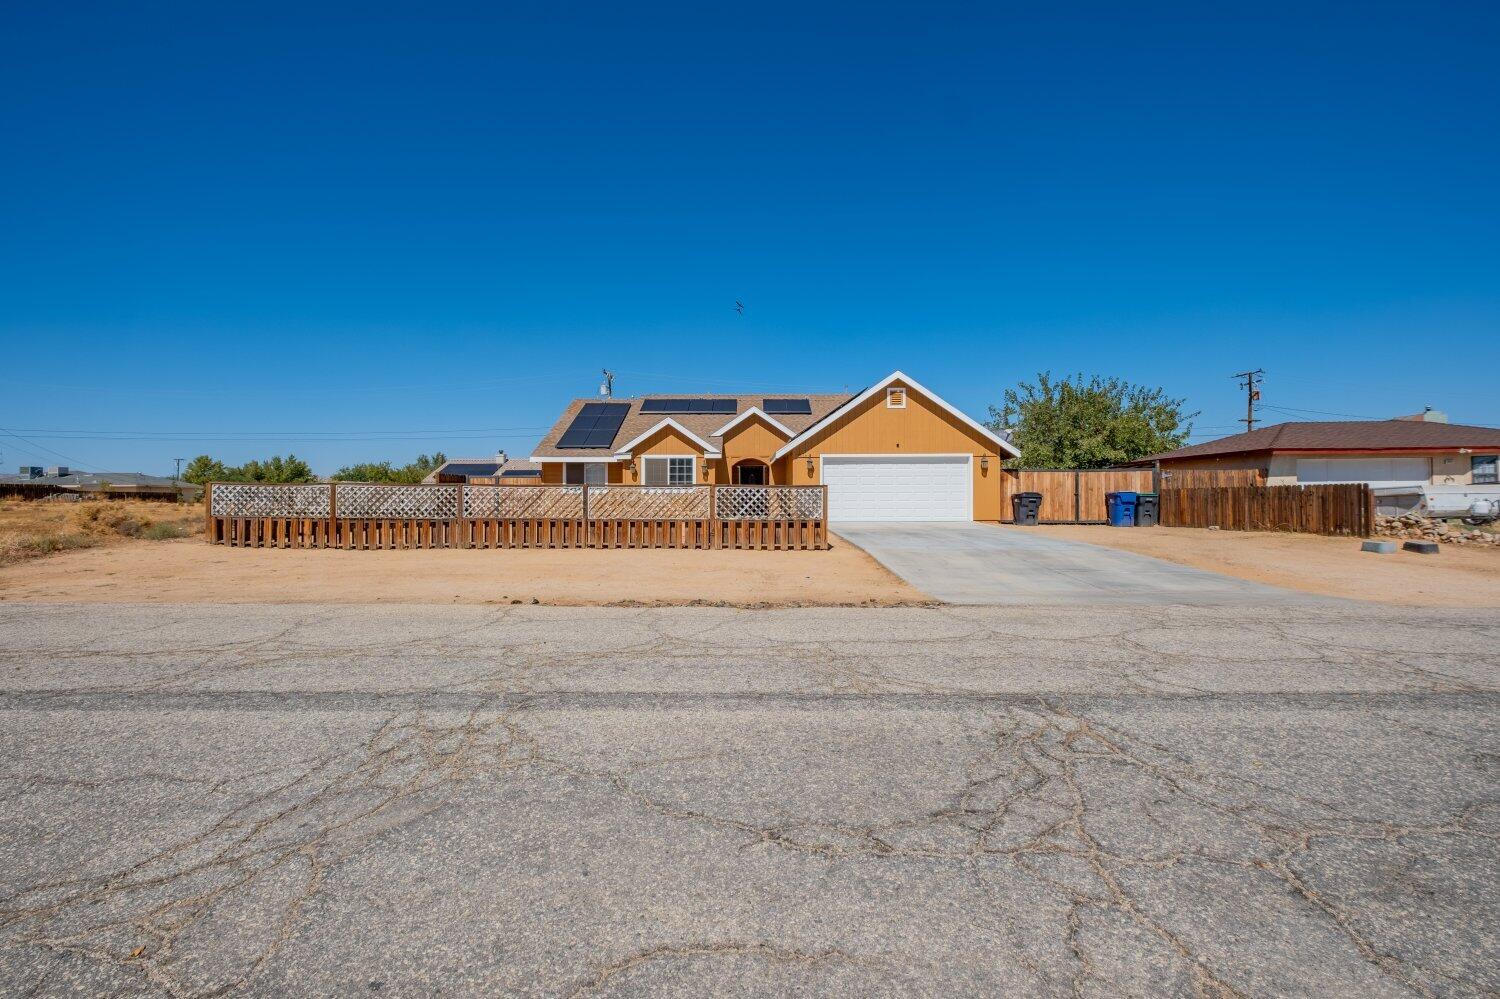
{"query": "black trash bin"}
{"type": "Point", "coordinates": [1025, 507]}
{"type": "Point", "coordinates": [1147, 507]}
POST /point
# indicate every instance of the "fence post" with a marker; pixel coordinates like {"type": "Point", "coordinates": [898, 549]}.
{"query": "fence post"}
{"type": "Point", "coordinates": [1077, 499]}
{"type": "Point", "coordinates": [462, 523]}
{"type": "Point", "coordinates": [332, 541]}
{"type": "Point", "coordinates": [588, 523]}
{"type": "Point", "coordinates": [208, 512]}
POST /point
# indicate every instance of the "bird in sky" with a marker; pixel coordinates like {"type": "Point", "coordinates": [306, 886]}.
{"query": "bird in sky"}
{"type": "Point", "coordinates": [739, 306]}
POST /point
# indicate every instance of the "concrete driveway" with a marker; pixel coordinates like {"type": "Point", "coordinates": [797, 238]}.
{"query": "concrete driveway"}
{"type": "Point", "coordinates": [983, 564]}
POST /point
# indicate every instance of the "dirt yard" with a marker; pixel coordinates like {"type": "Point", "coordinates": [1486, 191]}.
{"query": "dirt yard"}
{"type": "Point", "coordinates": [33, 528]}
{"type": "Point", "coordinates": [1456, 577]}
{"type": "Point", "coordinates": [194, 572]}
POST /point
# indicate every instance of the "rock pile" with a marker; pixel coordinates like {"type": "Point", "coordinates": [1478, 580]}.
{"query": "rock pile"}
{"type": "Point", "coordinates": [1425, 528]}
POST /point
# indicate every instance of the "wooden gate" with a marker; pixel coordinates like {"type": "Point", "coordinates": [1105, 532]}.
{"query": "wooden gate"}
{"type": "Point", "coordinates": [1071, 496]}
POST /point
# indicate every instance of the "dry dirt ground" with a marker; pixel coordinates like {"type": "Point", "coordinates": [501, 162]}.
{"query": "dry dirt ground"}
{"type": "Point", "coordinates": [194, 572]}
{"type": "Point", "coordinates": [34, 528]}
{"type": "Point", "coordinates": [1335, 567]}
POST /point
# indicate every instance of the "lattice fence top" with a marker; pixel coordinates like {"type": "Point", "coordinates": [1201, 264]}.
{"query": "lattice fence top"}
{"type": "Point", "coordinates": [769, 503]}
{"type": "Point", "coordinates": [257, 499]}
{"type": "Point", "coordinates": [648, 502]}
{"type": "Point", "coordinates": [391, 502]}
{"type": "Point", "coordinates": [523, 502]}
{"type": "Point", "coordinates": [374, 501]}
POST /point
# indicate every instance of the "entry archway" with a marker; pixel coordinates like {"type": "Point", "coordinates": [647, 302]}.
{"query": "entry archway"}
{"type": "Point", "coordinates": [750, 472]}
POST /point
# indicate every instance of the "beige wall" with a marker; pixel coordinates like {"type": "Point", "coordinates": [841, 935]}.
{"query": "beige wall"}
{"type": "Point", "coordinates": [753, 438]}
{"type": "Point", "coordinates": [1281, 468]}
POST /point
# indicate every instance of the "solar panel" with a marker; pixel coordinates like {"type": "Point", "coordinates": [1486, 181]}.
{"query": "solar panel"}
{"type": "Point", "coordinates": [787, 407]}
{"type": "Point", "coordinates": [595, 425]}
{"type": "Point", "coordinates": [690, 405]}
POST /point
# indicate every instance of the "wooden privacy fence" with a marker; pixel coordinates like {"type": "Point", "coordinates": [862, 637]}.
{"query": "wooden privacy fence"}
{"type": "Point", "coordinates": [1201, 478]}
{"type": "Point", "coordinates": [1325, 509]}
{"type": "Point", "coordinates": [362, 515]}
{"type": "Point", "coordinates": [1071, 496]}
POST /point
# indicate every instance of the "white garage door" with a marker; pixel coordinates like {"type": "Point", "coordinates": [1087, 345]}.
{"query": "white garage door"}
{"type": "Point", "coordinates": [910, 487]}
{"type": "Point", "coordinates": [1376, 471]}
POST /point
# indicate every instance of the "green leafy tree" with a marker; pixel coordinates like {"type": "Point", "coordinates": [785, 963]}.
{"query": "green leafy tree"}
{"type": "Point", "coordinates": [1093, 423]}
{"type": "Point", "coordinates": [274, 469]}
{"type": "Point", "coordinates": [204, 469]}
{"type": "Point", "coordinates": [384, 471]}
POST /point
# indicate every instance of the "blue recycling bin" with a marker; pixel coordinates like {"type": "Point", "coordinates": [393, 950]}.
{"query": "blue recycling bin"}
{"type": "Point", "coordinates": [1120, 508]}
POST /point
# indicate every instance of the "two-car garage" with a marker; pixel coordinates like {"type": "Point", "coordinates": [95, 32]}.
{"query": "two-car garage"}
{"type": "Point", "coordinates": [915, 487]}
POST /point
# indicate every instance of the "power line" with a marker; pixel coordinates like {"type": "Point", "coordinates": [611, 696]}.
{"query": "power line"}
{"type": "Point", "coordinates": [64, 457]}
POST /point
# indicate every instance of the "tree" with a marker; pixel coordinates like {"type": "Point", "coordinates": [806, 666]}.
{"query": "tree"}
{"type": "Point", "coordinates": [1075, 423]}
{"type": "Point", "coordinates": [204, 469]}
{"type": "Point", "coordinates": [370, 471]}
{"type": "Point", "coordinates": [274, 469]}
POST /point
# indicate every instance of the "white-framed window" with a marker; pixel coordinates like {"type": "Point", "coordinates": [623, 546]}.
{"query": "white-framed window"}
{"type": "Point", "coordinates": [578, 473]}
{"type": "Point", "coordinates": [1486, 469]}
{"type": "Point", "coordinates": [668, 471]}
{"type": "Point", "coordinates": [895, 398]}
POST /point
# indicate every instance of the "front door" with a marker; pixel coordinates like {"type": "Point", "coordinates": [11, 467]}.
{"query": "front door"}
{"type": "Point", "coordinates": [751, 473]}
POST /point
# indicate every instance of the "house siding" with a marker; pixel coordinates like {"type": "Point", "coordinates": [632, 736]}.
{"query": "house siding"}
{"type": "Point", "coordinates": [752, 439]}
{"type": "Point", "coordinates": [1281, 467]}
{"type": "Point", "coordinates": [919, 428]}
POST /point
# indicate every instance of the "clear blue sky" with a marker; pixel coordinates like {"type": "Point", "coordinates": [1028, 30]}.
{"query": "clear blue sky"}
{"type": "Point", "coordinates": [244, 229]}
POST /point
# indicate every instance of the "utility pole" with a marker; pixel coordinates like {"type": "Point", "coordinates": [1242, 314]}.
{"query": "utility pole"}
{"type": "Point", "coordinates": [176, 488]}
{"type": "Point", "coordinates": [1250, 382]}
{"type": "Point", "coordinates": [607, 387]}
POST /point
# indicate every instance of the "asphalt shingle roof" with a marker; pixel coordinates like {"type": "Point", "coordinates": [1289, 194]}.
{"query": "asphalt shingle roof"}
{"type": "Point", "coordinates": [1346, 435]}
{"type": "Point", "coordinates": [702, 424]}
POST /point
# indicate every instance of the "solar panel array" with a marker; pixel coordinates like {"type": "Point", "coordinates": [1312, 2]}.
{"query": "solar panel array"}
{"type": "Point", "coordinates": [690, 405]}
{"type": "Point", "coordinates": [786, 407]}
{"type": "Point", "coordinates": [596, 425]}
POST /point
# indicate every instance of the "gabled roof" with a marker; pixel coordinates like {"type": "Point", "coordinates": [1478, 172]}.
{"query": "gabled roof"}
{"type": "Point", "coordinates": [754, 411]}
{"type": "Point", "coordinates": [1346, 435]}
{"type": "Point", "coordinates": [911, 383]}
{"type": "Point", "coordinates": [704, 425]}
{"type": "Point", "coordinates": [624, 449]}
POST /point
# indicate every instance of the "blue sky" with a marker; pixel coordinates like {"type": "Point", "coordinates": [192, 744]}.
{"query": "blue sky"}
{"type": "Point", "coordinates": [251, 230]}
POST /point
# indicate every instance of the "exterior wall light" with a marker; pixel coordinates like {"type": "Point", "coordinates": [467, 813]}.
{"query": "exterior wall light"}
{"type": "Point", "coordinates": [984, 463]}
{"type": "Point", "coordinates": [811, 468]}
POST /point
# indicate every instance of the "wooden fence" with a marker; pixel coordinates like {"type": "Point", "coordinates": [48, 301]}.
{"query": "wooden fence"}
{"type": "Point", "coordinates": [362, 516]}
{"type": "Point", "coordinates": [1071, 496]}
{"type": "Point", "coordinates": [1204, 478]}
{"type": "Point", "coordinates": [1322, 509]}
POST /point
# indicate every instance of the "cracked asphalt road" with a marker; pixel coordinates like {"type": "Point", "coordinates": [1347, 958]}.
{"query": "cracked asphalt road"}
{"type": "Point", "coordinates": [544, 801]}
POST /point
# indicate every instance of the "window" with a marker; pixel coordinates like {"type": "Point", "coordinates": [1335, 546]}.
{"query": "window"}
{"type": "Point", "coordinates": [1486, 469]}
{"type": "Point", "coordinates": [668, 471]}
{"type": "Point", "coordinates": [895, 398]}
{"type": "Point", "coordinates": [578, 473]}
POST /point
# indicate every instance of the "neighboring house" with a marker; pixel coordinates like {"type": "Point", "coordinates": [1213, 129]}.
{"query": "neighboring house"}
{"type": "Point", "coordinates": [1409, 451]}
{"type": "Point", "coordinates": [110, 483]}
{"type": "Point", "coordinates": [893, 451]}
{"type": "Point", "coordinates": [463, 469]}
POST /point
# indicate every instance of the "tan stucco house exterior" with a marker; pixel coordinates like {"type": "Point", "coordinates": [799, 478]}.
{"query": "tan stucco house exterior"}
{"type": "Point", "coordinates": [1383, 453]}
{"type": "Point", "coordinates": [893, 451]}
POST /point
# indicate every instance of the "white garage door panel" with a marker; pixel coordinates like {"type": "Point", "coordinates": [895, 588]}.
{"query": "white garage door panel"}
{"type": "Point", "coordinates": [1378, 472]}
{"type": "Point", "coordinates": [915, 487]}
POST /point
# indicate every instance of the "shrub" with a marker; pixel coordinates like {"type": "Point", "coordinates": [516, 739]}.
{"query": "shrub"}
{"type": "Point", "coordinates": [163, 532]}
{"type": "Point", "coordinates": [104, 518]}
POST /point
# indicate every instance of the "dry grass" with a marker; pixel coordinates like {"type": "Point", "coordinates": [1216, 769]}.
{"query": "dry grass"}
{"type": "Point", "coordinates": [32, 528]}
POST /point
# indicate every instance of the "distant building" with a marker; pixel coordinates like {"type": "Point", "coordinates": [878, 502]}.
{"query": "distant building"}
{"type": "Point", "coordinates": [63, 479]}
{"type": "Point", "coordinates": [1419, 450]}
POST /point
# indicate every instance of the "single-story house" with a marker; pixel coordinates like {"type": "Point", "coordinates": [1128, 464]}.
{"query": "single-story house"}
{"type": "Point", "coordinates": [512, 471]}
{"type": "Point", "coordinates": [60, 478]}
{"type": "Point", "coordinates": [893, 451]}
{"type": "Point", "coordinates": [1410, 451]}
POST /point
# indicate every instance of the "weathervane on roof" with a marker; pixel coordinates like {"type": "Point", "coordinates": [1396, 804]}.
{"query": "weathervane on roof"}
{"type": "Point", "coordinates": [607, 387]}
